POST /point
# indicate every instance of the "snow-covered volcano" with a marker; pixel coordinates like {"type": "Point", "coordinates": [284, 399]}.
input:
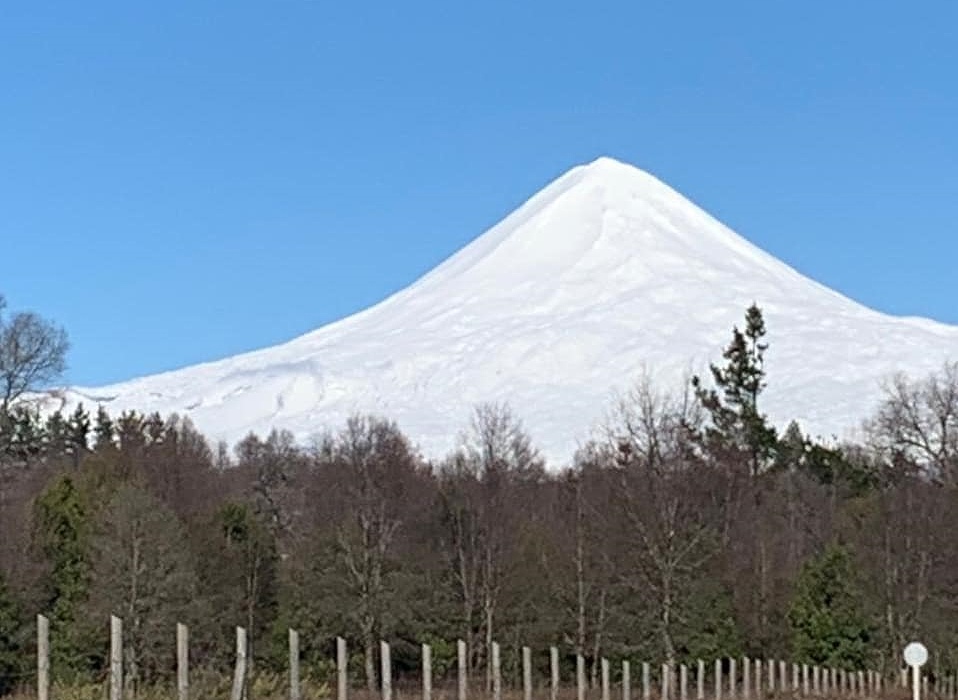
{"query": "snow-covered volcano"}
{"type": "Point", "coordinates": [605, 272]}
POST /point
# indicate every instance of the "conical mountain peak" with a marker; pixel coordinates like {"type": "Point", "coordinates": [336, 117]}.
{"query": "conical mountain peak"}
{"type": "Point", "coordinates": [610, 219]}
{"type": "Point", "coordinates": [603, 273]}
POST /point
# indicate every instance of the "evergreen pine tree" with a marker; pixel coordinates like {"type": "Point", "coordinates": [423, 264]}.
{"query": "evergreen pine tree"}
{"type": "Point", "coordinates": [61, 534]}
{"type": "Point", "coordinates": [827, 617]}
{"type": "Point", "coordinates": [22, 435]}
{"type": "Point", "coordinates": [78, 432]}
{"type": "Point", "coordinates": [829, 466]}
{"type": "Point", "coordinates": [738, 428]}
{"type": "Point", "coordinates": [104, 431]}
{"type": "Point", "coordinates": [55, 435]}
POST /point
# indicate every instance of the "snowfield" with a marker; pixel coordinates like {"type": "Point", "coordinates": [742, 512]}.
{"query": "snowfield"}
{"type": "Point", "coordinates": [602, 274]}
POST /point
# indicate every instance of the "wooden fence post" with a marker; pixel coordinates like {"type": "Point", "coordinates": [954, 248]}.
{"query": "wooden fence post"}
{"type": "Point", "coordinates": [746, 678]}
{"type": "Point", "coordinates": [426, 672]}
{"type": "Point", "coordinates": [604, 664]}
{"type": "Point", "coordinates": [182, 661]}
{"type": "Point", "coordinates": [718, 680]}
{"type": "Point", "coordinates": [700, 681]}
{"type": "Point", "coordinates": [805, 686]}
{"type": "Point", "coordinates": [579, 677]}
{"type": "Point", "coordinates": [732, 679]}
{"type": "Point", "coordinates": [342, 669]}
{"type": "Point", "coordinates": [463, 663]}
{"type": "Point", "coordinates": [385, 671]}
{"type": "Point", "coordinates": [626, 681]}
{"type": "Point", "coordinates": [683, 682]}
{"type": "Point", "coordinates": [526, 673]}
{"type": "Point", "coordinates": [43, 658]}
{"type": "Point", "coordinates": [496, 672]}
{"type": "Point", "coordinates": [771, 676]}
{"type": "Point", "coordinates": [758, 679]}
{"type": "Point", "coordinates": [116, 658]}
{"type": "Point", "coordinates": [646, 681]}
{"type": "Point", "coordinates": [666, 682]}
{"type": "Point", "coordinates": [239, 671]}
{"type": "Point", "coordinates": [293, 665]}
{"type": "Point", "coordinates": [553, 673]}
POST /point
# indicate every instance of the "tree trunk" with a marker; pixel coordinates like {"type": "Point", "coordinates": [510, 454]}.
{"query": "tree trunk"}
{"type": "Point", "coordinates": [597, 640]}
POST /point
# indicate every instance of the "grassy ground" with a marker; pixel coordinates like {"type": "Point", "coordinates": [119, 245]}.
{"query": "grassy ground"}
{"type": "Point", "coordinates": [275, 687]}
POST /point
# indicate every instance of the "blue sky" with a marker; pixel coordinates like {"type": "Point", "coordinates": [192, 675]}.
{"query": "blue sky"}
{"type": "Point", "coordinates": [181, 181]}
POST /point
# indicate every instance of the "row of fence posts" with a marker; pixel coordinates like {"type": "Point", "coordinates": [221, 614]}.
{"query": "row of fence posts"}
{"type": "Point", "coordinates": [805, 679]}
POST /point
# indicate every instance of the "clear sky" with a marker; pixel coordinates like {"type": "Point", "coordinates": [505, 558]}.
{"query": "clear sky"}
{"type": "Point", "coordinates": [181, 181]}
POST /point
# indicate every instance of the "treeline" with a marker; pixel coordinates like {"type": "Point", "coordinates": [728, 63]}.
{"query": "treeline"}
{"type": "Point", "coordinates": [690, 530]}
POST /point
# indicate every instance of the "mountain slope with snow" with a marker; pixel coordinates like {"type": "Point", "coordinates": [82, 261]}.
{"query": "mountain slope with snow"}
{"type": "Point", "coordinates": [604, 272]}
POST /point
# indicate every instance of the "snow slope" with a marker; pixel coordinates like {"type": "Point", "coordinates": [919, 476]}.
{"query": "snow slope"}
{"type": "Point", "coordinates": [604, 272]}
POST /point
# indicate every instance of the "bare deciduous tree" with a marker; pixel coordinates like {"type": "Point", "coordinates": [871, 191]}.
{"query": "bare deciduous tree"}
{"type": "Point", "coordinates": [662, 495]}
{"type": "Point", "coordinates": [142, 573]}
{"type": "Point", "coordinates": [652, 427]}
{"type": "Point", "coordinates": [918, 423]}
{"type": "Point", "coordinates": [271, 467]}
{"type": "Point", "coordinates": [376, 465]}
{"type": "Point", "coordinates": [32, 353]}
{"type": "Point", "coordinates": [497, 441]}
{"type": "Point", "coordinates": [481, 486]}
{"type": "Point", "coordinates": [578, 562]}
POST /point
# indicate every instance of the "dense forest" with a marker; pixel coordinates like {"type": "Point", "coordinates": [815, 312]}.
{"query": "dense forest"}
{"type": "Point", "coordinates": [692, 528]}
